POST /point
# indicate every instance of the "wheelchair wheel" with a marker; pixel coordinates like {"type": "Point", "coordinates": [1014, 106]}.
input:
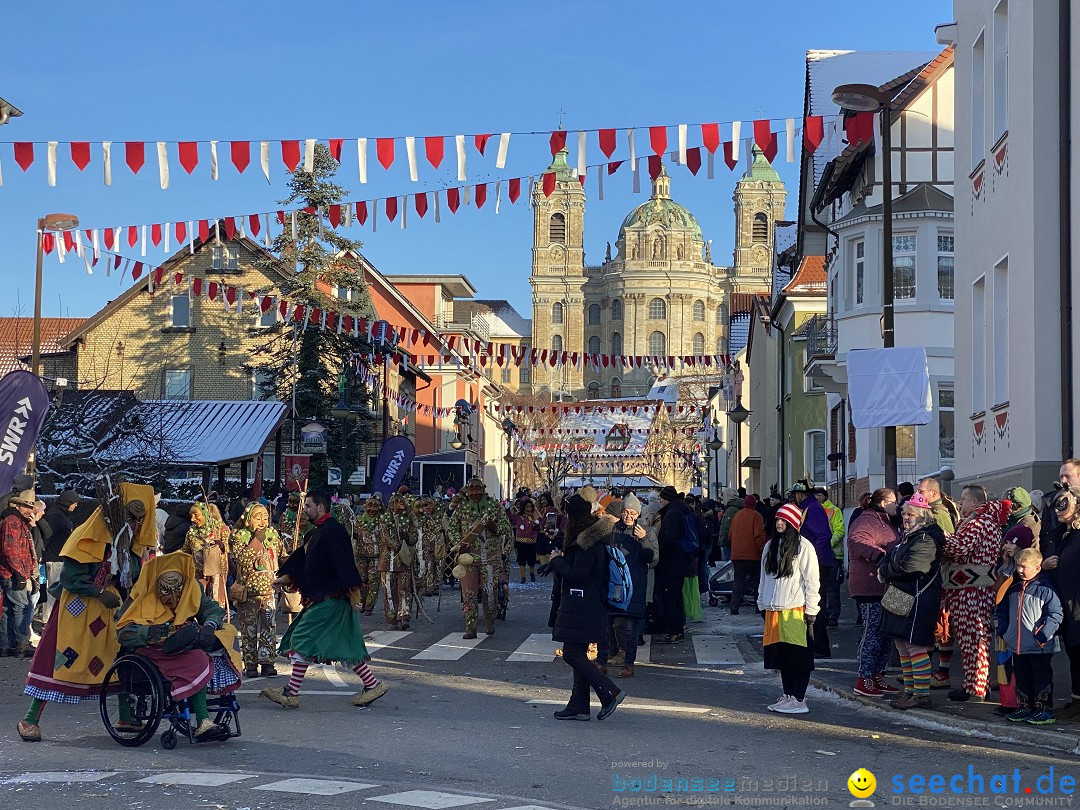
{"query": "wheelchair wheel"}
{"type": "Point", "coordinates": [168, 740]}
{"type": "Point", "coordinates": [135, 683]}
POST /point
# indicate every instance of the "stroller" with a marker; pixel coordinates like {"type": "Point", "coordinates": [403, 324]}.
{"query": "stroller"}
{"type": "Point", "coordinates": [720, 584]}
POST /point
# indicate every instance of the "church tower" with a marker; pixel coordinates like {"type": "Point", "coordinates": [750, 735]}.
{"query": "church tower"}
{"type": "Point", "coordinates": [759, 202]}
{"type": "Point", "coordinates": [558, 273]}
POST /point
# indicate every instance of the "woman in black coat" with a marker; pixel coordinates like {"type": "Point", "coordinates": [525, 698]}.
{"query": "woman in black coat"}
{"type": "Point", "coordinates": [1061, 569]}
{"type": "Point", "coordinates": [632, 539]}
{"type": "Point", "coordinates": [580, 612]}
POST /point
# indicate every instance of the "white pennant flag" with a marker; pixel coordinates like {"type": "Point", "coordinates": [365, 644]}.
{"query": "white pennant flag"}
{"type": "Point", "coordinates": [374, 216]}
{"type": "Point", "coordinates": [61, 252]}
{"type": "Point", "coordinates": [292, 226]}
{"type": "Point", "coordinates": [637, 178]}
{"type": "Point", "coordinates": [97, 249]}
{"type": "Point", "coordinates": [264, 159]}
{"type": "Point", "coordinates": [361, 155]}
{"type": "Point", "coordinates": [682, 144]}
{"type": "Point", "coordinates": [78, 243]}
{"type": "Point", "coordinates": [309, 155]}
{"type": "Point", "coordinates": [213, 160]}
{"type": "Point", "coordinates": [191, 237]}
{"type": "Point", "coordinates": [498, 194]}
{"type": "Point", "coordinates": [438, 215]}
{"type": "Point", "coordinates": [89, 265]}
{"type": "Point", "coordinates": [116, 238]}
{"type": "Point", "coordinates": [163, 164]}
{"type": "Point", "coordinates": [581, 162]}
{"type": "Point", "coordinates": [736, 140]}
{"type": "Point", "coordinates": [52, 163]}
{"type": "Point", "coordinates": [789, 129]}
{"type": "Point", "coordinates": [266, 230]}
{"type": "Point", "coordinates": [710, 165]}
{"type": "Point", "coordinates": [633, 151]}
{"type": "Point", "coordinates": [404, 211]}
{"type": "Point", "coordinates": [467, 197]}
{"type": "Point", "coordinates": [504, 146]}
{"type": "Point", "coordinates": [168, 233]}
{"type": "Point", "coordinates": [410, 151]}
{"type": "Point", "coordinates": [143, 240]}
{"type": "Point", "coordinates": [106, 155]}
{"type": "Point", "coordinates": [459, 140]}
{"type": "Point", "coordinates": [600, 183]}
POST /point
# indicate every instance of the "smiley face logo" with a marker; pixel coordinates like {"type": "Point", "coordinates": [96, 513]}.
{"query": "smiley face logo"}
{"type": "Point", "coordinates": [861, 783]}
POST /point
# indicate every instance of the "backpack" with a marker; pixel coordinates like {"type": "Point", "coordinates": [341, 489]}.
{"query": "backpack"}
{"type": "Point", "coordinates": [620, 587]}
{"type": "Point", "coordinates": [690, 542]}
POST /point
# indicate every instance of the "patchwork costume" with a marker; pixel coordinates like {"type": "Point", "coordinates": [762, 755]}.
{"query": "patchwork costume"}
{"type": "Point", "coordinates": [205, 546]}
{"type": "Point", "coordinates": [367, 538]}
{"type": "Point", "coordinates": [480, 538]}
{"type": "Point", "coordinates": [256, 554]}
{"type": "Point", "coordinates": [397, 561]}
{"type": "Point", "coordinates": [432, 544]}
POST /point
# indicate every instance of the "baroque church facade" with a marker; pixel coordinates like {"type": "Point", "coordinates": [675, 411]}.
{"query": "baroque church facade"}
{"type": "Point", "coordinates": [659, 294]}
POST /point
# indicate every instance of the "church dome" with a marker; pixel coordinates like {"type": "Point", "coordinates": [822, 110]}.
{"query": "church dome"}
{"type": "Point", "coordinates": [661, 210]}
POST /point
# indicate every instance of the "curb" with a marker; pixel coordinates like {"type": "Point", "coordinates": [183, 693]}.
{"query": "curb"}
{"type": "Point", "coordinates": [1068, 743]}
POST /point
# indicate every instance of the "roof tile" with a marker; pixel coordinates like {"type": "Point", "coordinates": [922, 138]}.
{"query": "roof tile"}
{"type": "Point", "coordinates": [17, 337]}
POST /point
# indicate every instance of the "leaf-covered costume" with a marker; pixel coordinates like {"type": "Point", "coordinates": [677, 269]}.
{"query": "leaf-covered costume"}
{"type": "Point", "coordinates": [367, 537]}
{"type": "Point", "coordinates": [255, 559]}
{"type": "Point", "coordinates": [397, 561]}
{"type": "Point", "coordinates": [431, 529]}
{"type": "Point", "coordinates": [207, 548]}
{"type": "Point", "coordinates": [480, 528]}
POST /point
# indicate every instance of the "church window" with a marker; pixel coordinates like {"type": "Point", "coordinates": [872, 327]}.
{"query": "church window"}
{"type": "Point", "coordinates": [616, 388]}
{"type": "Point", "coordinates": [557, 229]}
{"type": "Point", "coordinates": [594, 345]}
{"type": "Point", "coordinates": [657, 309]}
{"type": "Point", "coordinates": [720, 346]}
{"type": "Point", "coordinates": [699, 344]}
{"type": "Point", "coordinates": [616, 310]}
{"type": "Point", "coordinates": [616, 343]}
{"type": "Point", "coordinates": [699, 310]}
{"type": "Point", "coordinates": [594, 390]}
{"type": "Point", "coordinates": [760, 231]}
{"type": "Point", "coordinates": [656, 344]}
{"type": "Point", "coordinates": [594, 314]}
{"type": "Point", "coordinates": [720, 315]}
{"type": "Point", "coordinates": [557, 312]}
{"type": "Point", "coordinates": [556, 343]}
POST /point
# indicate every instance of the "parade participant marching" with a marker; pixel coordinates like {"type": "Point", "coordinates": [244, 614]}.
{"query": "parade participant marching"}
{"type": "Point", "coordinates": [256, 554]}
{"type": "Point", "coordinates": [480, 535]}
{"type": "Point", "coordinates": [526, 525]}
{"type": "Point", "coordinates": [100, 565]}
{"type": "Point", "coordinates": [328, 628]}
{"type": "Point", "coordinates": [367, 532]}
{"type": "Point", "coordinates": [183, 632]}
{"type": "Point", "coordinates": [204, 545]}
{"type": "Point", "coordinates": [432, 543]}
{"type": "Point", "coordinates": [397, 560]}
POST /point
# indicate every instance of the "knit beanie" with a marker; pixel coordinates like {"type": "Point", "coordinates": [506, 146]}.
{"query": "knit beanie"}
{"type": "Point", "coordinates": [750, 502]}
{"type": "Point", "coordinates": [631, 502]}
{"type": "Point", "coordinates": [1020, 498]}
{"type": "Point", "coordinates": [1021, 535]}
{"type": "Point", "coordinates": [790, 514]}
{"type": "Point", "coordinates": [67, 498]}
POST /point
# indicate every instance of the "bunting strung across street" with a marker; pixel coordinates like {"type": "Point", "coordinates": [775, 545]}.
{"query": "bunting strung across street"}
{"type": "Point", "coordinates": [274, 155]}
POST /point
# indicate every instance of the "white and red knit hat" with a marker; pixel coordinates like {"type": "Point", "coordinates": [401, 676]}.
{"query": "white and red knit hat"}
{"type": "Point", "coordinates": [790, 514]}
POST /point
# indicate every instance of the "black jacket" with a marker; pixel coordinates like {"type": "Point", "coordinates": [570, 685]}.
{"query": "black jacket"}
{"type": "Point", "coordinates": [914, 566]}
{"type": "Point", "coordinates": [580, 612]}
{"type": "Point", "coordinates": [176, 529]}
{"type": "Point", "coordinates": [59, 520]}
{"type": "Point", "coordinates": [674, 562]}
{"type": "Point", "coordinates": [323, 567]}
{"type": "Point", "coordinates": [1065, 579]}
{"type": "Point", "coordinates": [637, 558]}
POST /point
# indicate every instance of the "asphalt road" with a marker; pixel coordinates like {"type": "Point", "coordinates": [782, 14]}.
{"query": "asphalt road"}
{"type": "Point", "coordinates": [479, 731]}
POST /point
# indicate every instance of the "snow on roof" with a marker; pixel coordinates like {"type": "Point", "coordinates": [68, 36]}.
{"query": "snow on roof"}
{"type": "Point", "coordinates": [621, 481]}
{"type": "Point", "coordinates": [595, 425]}
{"type": "Point", "coordinates": [739, 334]}
{"type": "Point", "coordinates": [501, 317]}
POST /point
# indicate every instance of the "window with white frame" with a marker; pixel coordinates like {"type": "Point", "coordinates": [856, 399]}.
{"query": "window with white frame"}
{"type": "Point", "coordinates": [177, 383]}
{"type": "Point", "coordinates": [946, 244]}
{"type": "Point", "coordinates": [524, 373]}
{"type": "Point", "coordinates": [557, 312]}
{"type": "Point", "coordinates": [657, 309]}
{"type": "Point", "coordinates": [657, 344]}
{"type": "Point", "coordinates": [504, 375]}
{"type": "Point", "coordinates": [810, 384]}
{"type": "Point", "coordinates": [180, 311]}
{"type": "Point", "coordinates": [978, 101]}
{"type": "Point", "coordinates": [268, 318]}
{"type": "Point", "coordinates": [946, 408]}
{"type": "Point", "coordinates": [1001, 68]}
{"type": "Point", "coordinates": [859, 269]}
{"type": "Point", "coordinates": [815, 455]}
{"type": "Point", "coordinates": [904, 266]}
{"type": "Point", "coordinates": [1001, 332]}
{"type": "Point", "coordinates": [345, 293]}
{"type": "Point", "coordinates": [222, 258]}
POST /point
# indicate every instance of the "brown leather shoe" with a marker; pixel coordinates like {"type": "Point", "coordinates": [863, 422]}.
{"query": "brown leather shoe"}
{"type": "Point", "coordinates": [29, 731]}
{"type": "Point", "coordinates": [469, 635]}
{"type": "Point", "coordinates": [627, 671]}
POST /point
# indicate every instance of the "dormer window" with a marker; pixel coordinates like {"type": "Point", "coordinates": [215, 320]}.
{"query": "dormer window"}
{"type": "Point", "coordinates": [221, 258]}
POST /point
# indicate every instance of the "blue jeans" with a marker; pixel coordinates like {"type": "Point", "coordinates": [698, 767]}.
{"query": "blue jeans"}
{"type": "Point", "coordinates": [12, 617]}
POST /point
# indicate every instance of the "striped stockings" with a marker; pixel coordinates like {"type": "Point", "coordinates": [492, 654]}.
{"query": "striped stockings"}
{"type": "Point", "coordinates": [915, 661]}
{"type": "Point", "coordinates": [300, 668]}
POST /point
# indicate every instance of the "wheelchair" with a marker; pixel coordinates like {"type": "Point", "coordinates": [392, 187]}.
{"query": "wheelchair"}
{"type": "Point", "coordinates": [134, 680]}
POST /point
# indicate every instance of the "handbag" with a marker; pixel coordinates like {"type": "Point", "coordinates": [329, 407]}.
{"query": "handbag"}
{"type": "Point", "coordinates": [900, 603]}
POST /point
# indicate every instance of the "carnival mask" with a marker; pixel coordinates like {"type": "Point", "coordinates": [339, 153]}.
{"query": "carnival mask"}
{"type": "Point", "coordinates": [170, 586]}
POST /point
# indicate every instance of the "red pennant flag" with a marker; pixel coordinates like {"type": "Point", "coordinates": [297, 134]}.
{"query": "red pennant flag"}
{"type": "Point", "coordinates": [230, 228]}
{"type": "Point", "coordinates": [453, 199]}
{"type": "Point", "coordinates": [281, 217]}
{"type": "Point", "coordinates": [335, 148]}
{"type": "Point", "coordinates": [762, 133]}
{"type": "Point", "coordinates": [290, 154]}
{"type": "Point", "coordinates": [421, 204]}
{"type": "Point", "coordinates": [159, 275]}
{"type": "Point", "coordinates": [69, 241]}
{"type": "Point", "coordinates": [135, 155]}
{"type": "Point", "coordinates": [230, 294]}
{"type": "Point", "coordinates": [108, 238]}
{"type": "Point", "coordinates": [658, 139]}
{"type": "Point", "coordinates": [859, 128]}
{"type": "Point", "coordinates": [80, 154]}
{"type": "Point", "coordinates": [515, 189]}
{"type": "Point", "coordinates": [391, 208]}
{"type": "Point", "coordinates": [240, 151]}
{"type": "Point", "coordinates": [265, 304]}
{"type": "Point", "coordinates": [212, 291]}
{"type": "Point", "coordinates": [710, 137]}
{"type": "Point", "coordinates": [771, 149]}
{"type": "Point", "coordinates": [133, 235]}
{"type": "Point", "coordinates": [384, 147]}
{"type": "Point", "coordinates": [334, 215]}
{"type": "Point", "coordinates": [557, 141]}
{"type": "Point", "coordinates": [480, 194]}
{"type": "Point", "coordinates": [196, 287]}
{"type": "Point", "coordinates": [607, 141]}
{"type": "Point", "coordinates": [813, 132]}
{"type": "Point", "coordinates": [254, 225]}
{"type": "Point", "coordinates": [117, 261]}
{"type": "Point", "coordinates": [655, 164]}
{"type": "Point", "coordinates": [481, 142]}
{"type": "Point", "coordinates": [614, 166]}
{"type": "Point", "coordinates": [433, 148]}
{"type": "Point", "coordinates": [24, 154]}
{"type": "Point", "coordinates": [693, 159]}
{"type": "Point", "coordinates": [155, 233]}
{"type": "Point", "coordinates": [361, 212]}
{"type": "Point", "coordinates": [181, 233]}
{"type": "Point", "coordinates": [136, 271]}
{"type": "Point", "coordinates": [549, 183]}
{"type": "Point", "coordinates": [729, 158]}
{"type": "Point", "coordinates": [188, 151]}
{"type": "Point", "coordinates": [204, 230]}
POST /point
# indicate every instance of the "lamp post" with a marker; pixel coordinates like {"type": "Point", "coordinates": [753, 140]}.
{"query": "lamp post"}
{"type": "Point", "coordinates": [738, 415]}
{"type": "Point", "coordinates": [715, 446]}
{"type": "Point", "coordinates": [54, 223]}
{"type": "Point", "coordinates": [509, 427]}
{"type": "Point", "coordinates": [868, 98]}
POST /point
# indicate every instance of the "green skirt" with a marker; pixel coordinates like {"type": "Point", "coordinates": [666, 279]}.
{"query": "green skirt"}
{"type": "Point", "coordinates": [326, 631]}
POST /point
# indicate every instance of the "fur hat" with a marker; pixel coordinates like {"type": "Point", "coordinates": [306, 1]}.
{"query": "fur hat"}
{"type": "Point", "coordinates": [589, 493]}
{"type": "Point", "coordinates": [631, 502]}
{"type": "Point", "coordinates": [790, 514]}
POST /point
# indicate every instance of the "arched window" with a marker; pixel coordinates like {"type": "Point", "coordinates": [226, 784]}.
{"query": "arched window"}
{"type": "Point", "coordinates": [699, 344]}
{"type": "Point", "coordinates": [594, 314]}
{"type": "Point", "coordinates": [657, 309]}
{"type": "Point", "coordinates": [594, 345]}
{"type": "Point", "coordinates": [616, 388]}
{"type": "Point", "coordinates": [699, 310]}
{"type": "Point", "coordinates": [557, 229]}
{"type": "Point", "coordinates": [556, 343]}
{"type": "Point", "coordinates": [594, 390]}
{"type": "Point", "coordinates": [557, 312]}
{"type": "Point", "coordinates": [760, 231]}
{"type": "Point", "coordinates": [720, 315]}
{"type": "Point", "coordinates": [720, 346]}
{"type": "Point", "coordinates": [616, 343]}
{"type": "Point", "coordinates": [616, 310]}
{"type": "Point", "coordinates": [656, 344]}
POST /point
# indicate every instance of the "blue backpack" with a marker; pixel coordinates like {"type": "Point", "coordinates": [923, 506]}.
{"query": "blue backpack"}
{"type": "Point", "coordinates": [690, 542]}
{"type": "Point", "coordinates": [620, 587]}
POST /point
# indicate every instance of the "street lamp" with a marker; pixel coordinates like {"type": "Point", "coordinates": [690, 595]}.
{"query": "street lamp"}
{"type": "Point", "coordinates": [868, 98]}
{"type": "Point", "coordinates": [54, 223]}
{"type": "Point", "coordinates": [509, 427]}
{"type": "Point", "coordinates": [738, 415]}
{"type": "Point", "coordinates": [715, 445]}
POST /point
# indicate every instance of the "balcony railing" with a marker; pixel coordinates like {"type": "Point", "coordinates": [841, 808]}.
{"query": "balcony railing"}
{"type": "Point", "coordinates": [820, 338]}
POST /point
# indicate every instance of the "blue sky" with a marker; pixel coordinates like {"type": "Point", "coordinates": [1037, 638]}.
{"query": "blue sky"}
{"type": "Point", "coordinates": [269, 70]}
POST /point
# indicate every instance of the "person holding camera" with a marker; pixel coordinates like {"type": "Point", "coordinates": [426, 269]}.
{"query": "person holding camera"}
{"type": "Point", "coordinates": [639, 548]}
{"type": "Point", "coordinates": [18, 569]}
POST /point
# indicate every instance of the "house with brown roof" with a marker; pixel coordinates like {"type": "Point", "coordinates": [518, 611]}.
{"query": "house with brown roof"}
{"type": "Point", "coordinates": [17, 341]}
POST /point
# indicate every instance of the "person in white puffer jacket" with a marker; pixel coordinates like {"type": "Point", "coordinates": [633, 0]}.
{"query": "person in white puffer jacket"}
{"type": "Point", "coordinates": [788, 595]}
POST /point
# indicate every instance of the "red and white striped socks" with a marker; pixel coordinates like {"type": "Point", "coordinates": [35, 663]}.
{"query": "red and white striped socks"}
{"type": "Point", "coordinates": [364, 673]}
{"type": "Point", "coordinates": [299, 670]}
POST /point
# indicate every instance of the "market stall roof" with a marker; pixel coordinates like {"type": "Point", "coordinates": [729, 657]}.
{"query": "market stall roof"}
{"type": "Point", "coordinates": [621, 481]}
{"type": "Point", "coordinates": [207, 433]}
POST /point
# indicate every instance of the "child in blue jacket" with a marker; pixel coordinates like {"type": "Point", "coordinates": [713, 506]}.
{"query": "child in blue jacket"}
{"type": "Point", "coordinates": [1026, 619]}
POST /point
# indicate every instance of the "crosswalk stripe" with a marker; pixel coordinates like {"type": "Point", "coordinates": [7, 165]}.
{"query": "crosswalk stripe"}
{"type": "Point", "coordinates": [314, 787]}
{"type": "Point", "coordinates": [377, 639]}
{"type": "Point", "coordinates": [430, 799]}
{"type": "Point", "coordinates": [195, 778]}
{"type": "Point", "coordinates": [716, 650]}
{"type": "Point", "coordinates": [537, 647]}
{"type": "Point", "coordinates": [449, 648]}
{"type": "Point", "coordinates": [61, 776]}
{"type": "Point", "coordinates": [330, 671]}
{"type": "Point", "coordinates": [643, 707]}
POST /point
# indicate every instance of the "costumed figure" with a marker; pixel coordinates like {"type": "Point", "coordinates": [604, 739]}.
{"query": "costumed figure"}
{"type": "Point", "coordinates": [293, 526]}
{"type": "Point", "coordinates": [969, 559]}
{"type": "Point", "coordinates": [173, 623]}
{"type": "Point", "coordinates": [367, 531]}
{"type": "Point", "coordinates": [100, 566]}
{"type": "Point", "coordinates": [480, 537]}
{"type": "Point", "coordinates": [204, 544]}
{"type": "Point", "coordinates": [328, 628]}
{"type": "Point", "coordinates": [432, 543]}
{"type": "Point", "coordinates": [256, 555]}
{"type": "Point", "coordinates": [397, 561]}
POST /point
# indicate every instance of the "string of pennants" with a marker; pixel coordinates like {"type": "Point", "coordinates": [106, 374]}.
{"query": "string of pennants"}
{"type": "Point", "coordinates": [403, 401]}
{"type": "Point", "coordinates": [507, 409]}
{"type": "Point", "coordinates": [301, 152]}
